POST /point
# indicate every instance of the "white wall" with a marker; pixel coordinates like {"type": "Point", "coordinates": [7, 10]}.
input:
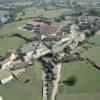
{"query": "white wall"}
{"type": "Point", "coordinates": [5, 80]}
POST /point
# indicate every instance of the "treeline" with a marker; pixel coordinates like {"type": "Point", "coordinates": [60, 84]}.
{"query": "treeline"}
{"type": "Point", "coordinates": [12, 1]}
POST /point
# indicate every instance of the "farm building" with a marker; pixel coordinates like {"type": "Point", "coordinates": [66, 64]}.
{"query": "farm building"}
{"type": "Point", "coordinates": [7, 63]}
{"type": "Point", "coordinates": [5, 76]}
{"type": "Point", "coordinates": [40, 51]}
{"type": "Point", "coordinates": [41, 27]}
{"type": "Point", "coordinates": [19, 65]}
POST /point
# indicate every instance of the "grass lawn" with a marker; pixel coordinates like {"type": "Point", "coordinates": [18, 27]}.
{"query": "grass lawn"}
{"type": "Point", "coordinates": [11, 28]}
{"type": "Point", "coordinates": [88, 79]}
{"type": "Point", "coordinates": [80, 96]}
{"type": "Point", "coordinates": [19, 90]}
{"type": "Point", "coordinates": [94, 53]}
{"type": "Point", "coordinates": [10, 42]}
{"type": "Point", "coordinates": [36, 12]}
{"type": "Point", "coordinates": [95, 39]}
{"type": "Point", "coordinates": [3, 12]}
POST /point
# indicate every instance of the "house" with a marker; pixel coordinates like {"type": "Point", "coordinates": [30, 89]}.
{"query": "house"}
{"type": "Point", "coordinates": [5, 76]}
{"type": "Point", "coordinates": [88, 22]}
{"type": "Point", "coordinates": [63, 40]}
{"type": "Point", "coordinates": [82, 36]}
{"type": "Point", "coordinates": [60, 55]}
{"type": "Point", "coordinates": [19, 68]}
{"type": "Point", "coordinates": [7, 63]}
{"type": "Point", "coordinates": [13, 56]}
{"type": "Point", "coordinates": [41, 27]}
{"type": "Point", "coordinates": [19, 65]}
{"type": "Point", "coordinates": [74, 30]}
{"type": "Point", "coordinates": [41, 50]}
{"type": "Point", "coordinates": [29, 47]}
{"type": "Point", "coordinates": [28, 57]}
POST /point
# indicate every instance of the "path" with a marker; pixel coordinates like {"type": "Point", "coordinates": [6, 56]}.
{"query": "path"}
{"type": "Point", "coordinates": [56, 82]}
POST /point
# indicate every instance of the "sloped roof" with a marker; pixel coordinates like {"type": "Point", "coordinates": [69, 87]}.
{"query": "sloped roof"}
{"type": "Point", "coordinates": [27, 48]}
{"type": "Point", "coordinates": [4, 74]}
{"type": "Point", "coordinates": [44, 28]}
{"type": "Point", "coordinates": [48, 29]}
{"type": "Point", "coordinates": [20, 65]}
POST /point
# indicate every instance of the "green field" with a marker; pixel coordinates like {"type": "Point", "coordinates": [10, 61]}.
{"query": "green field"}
{"type": "Point", "coordinates": [10, 43]}
{"type": "Point", "coordinates": [34, 12]}
{"type": "Point", "coordinates": [94, 52]}
{"type": "Point", "coordinates": [19, 90]}
{"type": "Point", "coordinates": [3, 12]}
{"type": "Point", "coordinates": [12, 28]}
{"type": "Point", "coordinates": [88, 79]}
{"type": "Point", "coordinates": [95, 39]}
{"type": "Point", "coordinates": [87, 86]}
{"type": "Point", "coordinates": [80, 96]}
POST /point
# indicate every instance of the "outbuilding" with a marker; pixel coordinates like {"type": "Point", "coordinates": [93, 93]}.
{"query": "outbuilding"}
{"type": "Point", "coordinates": [5, 76]}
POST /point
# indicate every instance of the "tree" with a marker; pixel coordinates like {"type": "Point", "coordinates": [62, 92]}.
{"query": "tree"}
{"type": "Point", "coordinates": [62, 17]}
{"type": "Point", "coordinates": [67, 50]}
{"type": "Point", "coordinates": [93, 12]}
{"type": "Point", "coordinates": [12, 15]}
{"type": "Point", "coordinates": [68, 58]}
{"type": "Point", "coordinates": [70, 81]}
{"type": "Point", "coordinates": [57, 20]}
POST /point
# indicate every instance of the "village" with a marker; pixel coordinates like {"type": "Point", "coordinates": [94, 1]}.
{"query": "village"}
{"type": "Point", "coordinates": [53, 47]}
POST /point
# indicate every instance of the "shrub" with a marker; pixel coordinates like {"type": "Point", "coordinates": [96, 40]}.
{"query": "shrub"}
{"type": "Point", "coordinates": [70, 81]}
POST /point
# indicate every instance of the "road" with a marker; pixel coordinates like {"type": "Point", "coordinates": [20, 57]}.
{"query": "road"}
{"type": "Point", "coordinates": [44, 85]}
{"type": "Point", "coordinates": [56, 82]}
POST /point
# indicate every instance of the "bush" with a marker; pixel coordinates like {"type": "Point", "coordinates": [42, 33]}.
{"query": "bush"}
{"type": "Point", "coordinates": [93, 12]}
{"type": "Point", "coordinates": [68, 58]}
{"type": "Point", "coordinates": [70, 81]}
{"type": "Point", "coordinates": [60, 18]}
{"type": "Point", "coordinates": [57, 20]}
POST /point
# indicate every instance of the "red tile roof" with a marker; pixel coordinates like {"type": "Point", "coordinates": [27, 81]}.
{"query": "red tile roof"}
{"type": "Point", "coordinates": [48, 29]}
{"type": "Point", "coordinates": [44, 28]}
